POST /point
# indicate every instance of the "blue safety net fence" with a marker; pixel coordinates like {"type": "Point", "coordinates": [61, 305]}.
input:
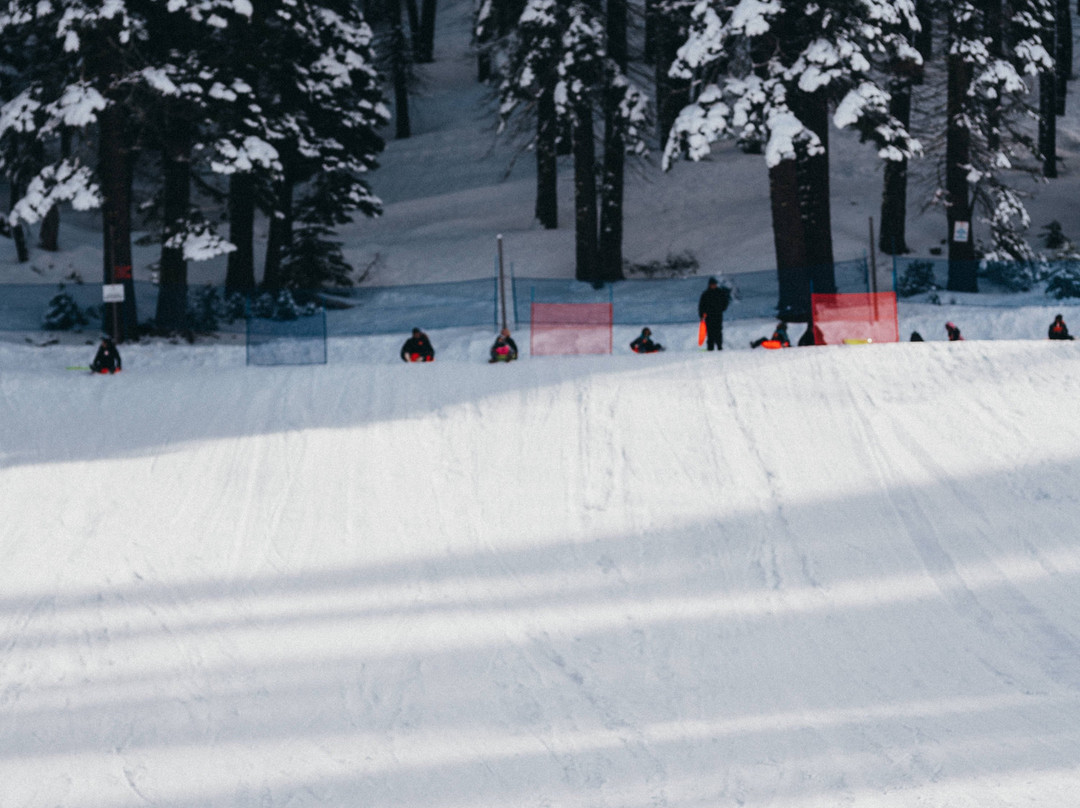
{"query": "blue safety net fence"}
{"type": "Point", "coordinates": [367, 310]}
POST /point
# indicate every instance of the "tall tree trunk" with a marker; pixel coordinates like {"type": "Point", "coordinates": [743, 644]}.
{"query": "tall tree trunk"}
{"type": "Point", "coordinates": [399, 68]}
{"type": "Point", "coordinates": [924, 40]}
{"type": "Point", "coordinates": [18, 231]}
{"type": "Point", "coordinates": [1063, 52]}
{"type": "Point", "coordinates": [425, 50]}
{"type": "Point", "coordinates": [611, 191]}
{"type": "Point", "coordinates": [412, 14]}
{"type": "Point", "coordinates": [790, 242]}
{"type": "Point", "coordinates": [814, 195]}
{"type": "Point", "coordinates": [614, 173]}
{"type": "Point", "coordinates": [585, 217]}
{"type": "Point", "coordinates": [671, 94]}
{"type": "Point", "coordinates": [995, 29]}
{"type": "Point", "coordinates": [240, 266]}
{"type": "Point", "coordinates": [892, 235]}
{"type": "Point", "coordinates": [280, 237]}
{"type": "Point", "coordinates": [114, 167]}
{"type": "Point", "coordinates": [652, 13]}
{"type": "Point", "coordinates": [49, 232]}
{"type": "Point", "coordinates": [171, 312]}
{"type": "Point", "coordinates": [1048, 122]}
{"type": "Point", "coordinates": [617, 46]}
{"type": "Point", "coordinates": [114, 170]}
{"type": "Point", "coordinates": [962, 268]}
{"type": "Point", "coordinates": [547, 195]}
{"type": "Point", "coordinates": [1048, 105]}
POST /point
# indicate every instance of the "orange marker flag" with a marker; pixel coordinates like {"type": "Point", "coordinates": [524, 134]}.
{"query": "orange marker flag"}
{"type": "Point", "coordinates": [701, 332]}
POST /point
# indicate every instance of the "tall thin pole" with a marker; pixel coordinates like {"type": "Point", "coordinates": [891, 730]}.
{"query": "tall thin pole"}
{"type": "Point", "coordinates": [502, 282]}
{"type": "Point", "coordinates": [873, 271]}
{"type": "Point", "coordinates": [873, 260]}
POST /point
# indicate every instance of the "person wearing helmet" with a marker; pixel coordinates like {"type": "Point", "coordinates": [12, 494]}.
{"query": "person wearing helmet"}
{"type": "Point", "coordinates": [107, 358]}
{"type": "Point", "coordinates": [645, 344]}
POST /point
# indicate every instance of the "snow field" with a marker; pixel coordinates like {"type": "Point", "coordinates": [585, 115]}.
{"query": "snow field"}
{"type": "Point", "coordinates": [801, 578]}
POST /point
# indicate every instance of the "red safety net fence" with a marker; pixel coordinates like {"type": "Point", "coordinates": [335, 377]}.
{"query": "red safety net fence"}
{"type": "Point", "coordinates": [855, 318]}
{"type": "Point", "coordinates": [571, 328]}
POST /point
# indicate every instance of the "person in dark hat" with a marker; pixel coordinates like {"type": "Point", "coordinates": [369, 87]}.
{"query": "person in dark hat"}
{"type": "Point", "coordinates": [645, 344]}
{"type": "Point", "coordinates": [107, 358]}
{"type": "Point", "coordinates": [417, 348]}
{"type": "Point", "coordinates": [1058, 329]}
{"type": "Point", "coordinates": [711, 307]}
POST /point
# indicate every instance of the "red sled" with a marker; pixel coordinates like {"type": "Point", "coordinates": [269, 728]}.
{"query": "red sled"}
{"type": "Point", "coordinates": [772, 344]}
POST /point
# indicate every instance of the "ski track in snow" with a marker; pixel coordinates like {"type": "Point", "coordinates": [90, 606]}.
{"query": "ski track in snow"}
{"type": "Point", "coordinates": [807, 578]}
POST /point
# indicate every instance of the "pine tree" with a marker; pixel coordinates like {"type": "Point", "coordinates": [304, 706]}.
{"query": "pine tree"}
{"type": "Point", "coordinates": [771, 73]}
{"type": "Point", "coordinates": [987, 115]}
{"type": "Point", "coordinates": [307, 124]}
{"type": "Point", "coordinates": [557, 66]}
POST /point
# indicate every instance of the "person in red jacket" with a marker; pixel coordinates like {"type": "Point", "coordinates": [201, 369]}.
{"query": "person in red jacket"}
{"type": "Point", "coordinates": [504, 348]}
{"type": "Point", "coordinates": [107, 358]}
{"type": "Point", "coordinates": [1058, 329]}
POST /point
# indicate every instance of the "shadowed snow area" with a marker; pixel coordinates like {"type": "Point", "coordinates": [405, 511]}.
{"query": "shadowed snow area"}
{"type": "Point", "coordinates": [814, 577]}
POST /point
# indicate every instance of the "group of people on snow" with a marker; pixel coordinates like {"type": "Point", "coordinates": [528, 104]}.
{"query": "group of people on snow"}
{"type": "Point", "coordinates": [711, 307]}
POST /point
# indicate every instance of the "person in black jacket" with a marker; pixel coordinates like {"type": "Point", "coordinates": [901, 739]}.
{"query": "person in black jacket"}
{"type": "Point", "coordinates": [779, 336]}
{"type": "Point", "coordinates": [1058, 329]}
{"type": "Point", "coordinates": [952, 332]}
{"type": "Point", "coordinates": [645, 344]}
{"type": "Point", "coordinates": [504, 348]}
{"type": "Point", "coordinates": [107, 358]}
{"type": "Point", "coordinates": [711, 306]}
{"type": "Point", "coordinates": [417, 348]}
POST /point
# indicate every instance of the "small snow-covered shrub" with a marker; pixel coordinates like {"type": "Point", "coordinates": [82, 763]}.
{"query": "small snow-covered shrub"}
{"type": "Point", "coordinates": [1065, 280]}
{"type": "Point", "coordinates": [918, 277]}
{"type": "Point", "coordinates": [676, 265]}
{"type": "Point", "coordinates": [281, 306]}
{"type": "Point", "coordinates": [204, 307]}
{"type": "Point", "coordinates": [1016, 276]}
{"type": "Point", "coordinates": [63, 313]}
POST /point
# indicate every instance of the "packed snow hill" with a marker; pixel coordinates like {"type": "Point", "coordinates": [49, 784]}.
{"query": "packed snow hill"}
{"type": "Point", "coordinates": [808, 577]}
{"type": "Point", "coordinates": [800, 578]}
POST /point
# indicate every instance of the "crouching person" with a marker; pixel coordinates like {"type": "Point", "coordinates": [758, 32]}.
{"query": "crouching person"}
{"type": "Point", "coordinates": [645, 344]}
{"type": "Point", "coordinates": [107, 358]}
{"type": "Point", "coordinates": [504, 348]}
{"type": "Point", "coordinates": [417, 348]}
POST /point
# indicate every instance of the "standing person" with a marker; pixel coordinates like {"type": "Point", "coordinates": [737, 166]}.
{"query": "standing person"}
{"type": "Point", "coordinates": [645, 344]}
{"type": "Point", "coordinates": [107, 358]}
{"type": "Point", "coordinates": [417, 348]}
{"type": "Point", "coordinates": [504, 349]}
{"type": "Point", "coordinates": [953, 332]}
{"type": "Point", "coordinates": [1058, 329]}
{"type": "Point", "coordinates": [711, 306]}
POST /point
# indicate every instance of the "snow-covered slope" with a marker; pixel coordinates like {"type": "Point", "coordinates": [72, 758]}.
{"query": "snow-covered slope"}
{"type": "Point", "coordinates": [816, 577]}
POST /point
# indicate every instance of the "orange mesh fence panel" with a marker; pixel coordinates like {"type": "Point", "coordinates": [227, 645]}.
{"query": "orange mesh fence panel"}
{"type": "Point", "coordinates": [860, 317]}
{"type": "Point", "coordinates": [570, 328]}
